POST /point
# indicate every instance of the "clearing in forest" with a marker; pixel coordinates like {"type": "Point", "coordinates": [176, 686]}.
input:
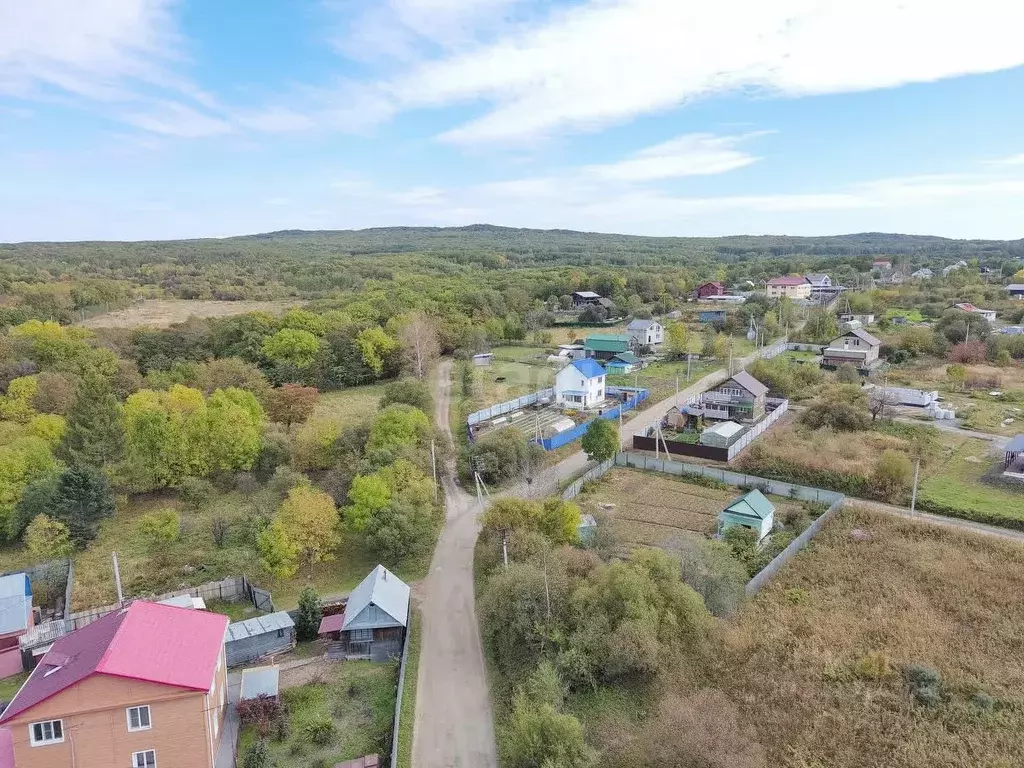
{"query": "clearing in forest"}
{"type": "Point", "coordinates": [163, 313]}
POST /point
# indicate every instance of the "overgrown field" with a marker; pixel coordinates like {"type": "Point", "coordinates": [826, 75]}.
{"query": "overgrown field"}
{"type": "Point", "coordinates": [356, 697]}
{"type": "Point", "coordinates": [651, 509]}
{"type": "Point", "coordinates": [818, 663]}
{"type": "Point", "coordinates": [163, 313]}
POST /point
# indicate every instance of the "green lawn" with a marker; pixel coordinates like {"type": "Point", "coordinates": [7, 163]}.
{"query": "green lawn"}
{"type": "Point", "coordinates": [10, 686]}
{"type": "Point", "coordinates": [408, 719]}
{"type": "Point", "coordinates": [984, 413]}
{"type": "Point", "coordinates": [955, 481]}
{"type": "Point", "coordinates": [350, 405]}
{"type": "Point", "coordinates": [357, 696]}
{"type": "Point", "coordinates": [912, 315]}
{"type": "Point", "coordinates": [234, 611]}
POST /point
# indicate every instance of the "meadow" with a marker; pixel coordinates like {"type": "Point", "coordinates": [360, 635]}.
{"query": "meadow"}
{"type": "Point", "coordinates": [818, 664]}
{"type": "Point", "coordinates": [163, 313]}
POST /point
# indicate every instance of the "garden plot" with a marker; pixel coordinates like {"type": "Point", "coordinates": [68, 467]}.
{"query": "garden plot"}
{"type": "Point", "coordinates": [651, 509]}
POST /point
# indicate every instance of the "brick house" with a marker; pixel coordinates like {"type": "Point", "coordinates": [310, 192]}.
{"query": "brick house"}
{"type": "Point", "coordinates": [790, 286]}
{"type": "Point", "coordinates": [713, 288]}
{"type": "Point", "coordinates": [857, 347]}
{"type": "Point", "coordinates": [142, 687]}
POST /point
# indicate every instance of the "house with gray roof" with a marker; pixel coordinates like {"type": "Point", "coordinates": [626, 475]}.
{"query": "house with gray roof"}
{"type": "Point", "coordinates": [742, 398]}
{"type": "Point", "coordinates": [856, 346]}
{"type": "Point", "coordinates": [259, 637]}
{"type": "Point", "coordinates": [375, 618]}
{"type": "Point", "coordinates": [646, 333]}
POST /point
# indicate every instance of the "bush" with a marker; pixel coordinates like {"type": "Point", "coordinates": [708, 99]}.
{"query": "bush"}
{"type": "Point", "coordinates": [257, 756]}
{"type": "Point", "coordinates": [320, 731]}
{"type": "Point", "coordinates": [412, 392]}
{"type": "Point", "coordinates": [710, 568]}
{"type": "Point", "coordinates": [308, 620]}
{"type": "Point", "coordinates": [892, 475]}
{"type": "Point", "coordinates": [262, 713]}
{"type": "Point", "coordinates": [195, 490]}
{"type": "Point", "coordinates": [925, 684]}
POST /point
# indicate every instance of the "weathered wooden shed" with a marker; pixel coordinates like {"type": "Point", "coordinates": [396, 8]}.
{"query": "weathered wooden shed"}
{"type": "Point", "coordinates": [375, 618]}
{"type": "Point", "coordinates": [258, 637]}
{"type": "Point", "coordinates": [752, 511]}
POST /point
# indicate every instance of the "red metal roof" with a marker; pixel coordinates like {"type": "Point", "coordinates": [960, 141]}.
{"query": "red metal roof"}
{"type": "Point", "coordinates": [788, 280]}
{"type": "Point", "coordinates": [330, 624]}
{"type": "Point", "coordinates": [146, 641]}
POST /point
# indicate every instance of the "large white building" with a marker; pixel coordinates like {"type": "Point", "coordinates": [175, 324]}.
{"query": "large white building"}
{"type": "Point", "coordinates": [580, 384]}
{"type": "Point", "coordinates": [646, 333]}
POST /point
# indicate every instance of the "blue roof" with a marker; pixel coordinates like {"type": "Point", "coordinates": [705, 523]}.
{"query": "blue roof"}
{"type": "Point", "coordinates": [589, 367]}
{"type": "Point", "coordinates": [15, 602]}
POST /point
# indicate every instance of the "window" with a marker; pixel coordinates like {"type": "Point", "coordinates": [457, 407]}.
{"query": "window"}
{"type": "Point", "coordinates": [46, 732]}
{"type": "Point", "coordinates": [138, 718]}
{"type": "Point", "coordinates": [280, 633]}
{"type": "Point", "coordinates": [360, 635]}
{"type": "Point", "coordinates": [145, 759]}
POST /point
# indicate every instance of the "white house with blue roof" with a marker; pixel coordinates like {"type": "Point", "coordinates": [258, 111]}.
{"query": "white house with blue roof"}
{"type": "Point", "coordinates": [580, 384]}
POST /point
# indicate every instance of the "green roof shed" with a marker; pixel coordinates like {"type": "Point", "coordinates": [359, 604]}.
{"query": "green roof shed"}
{"type": "Point", "coordinates": [607, 342]}
{"type": "Point", "coordinates": [752, 510]}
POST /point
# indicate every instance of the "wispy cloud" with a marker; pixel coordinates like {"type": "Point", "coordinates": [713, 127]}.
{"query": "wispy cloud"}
{"type": "Point", "coordinates": [98, 49]}
{"type": "Point", "coordinates": [1011, 160]}
{"type": "Point", "coordinates": [695, 154]}
{"type": "Point", "coordinates": [610, 61]}
{"type": "Point", "coordinates": [175, 119]}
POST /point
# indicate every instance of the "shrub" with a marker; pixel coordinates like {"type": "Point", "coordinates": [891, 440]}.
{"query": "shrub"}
{"type": "Point", "coordinates": [320, 731]}
{"type": "Point", "coordinates": [257, 756]}
{"type": "Point", "coordinates": [892, 476]}
{"type": "Point", "coordinates": [195, 490]}
{"type": "Point", "coordinates": [261, 713]}
{"type": "Point", "coordinates": [872, 666]}
{"type": "Point", "coordinates": [308, 620]}
{"type": "Point", "coordinates": [925, 684]}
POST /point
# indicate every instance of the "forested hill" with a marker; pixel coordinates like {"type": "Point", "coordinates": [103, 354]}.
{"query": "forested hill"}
{"type": "Point", "coordinates": [525, 246]}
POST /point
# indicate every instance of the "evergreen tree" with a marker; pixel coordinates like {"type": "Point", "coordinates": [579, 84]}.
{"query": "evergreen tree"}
{"type": "Point", "coordinates": [81, 500]}
{"type": "Point", "coordinates": [95, 430]}
{"type": "Point", "coordinates": [307, 623]}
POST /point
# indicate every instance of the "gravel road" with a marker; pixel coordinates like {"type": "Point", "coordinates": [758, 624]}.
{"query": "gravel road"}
{"type": "Point", "coordinates": [454, 725]}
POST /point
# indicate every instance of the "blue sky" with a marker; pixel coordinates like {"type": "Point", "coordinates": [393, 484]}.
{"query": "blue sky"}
{"type": "Point", "coordinates": [139, 119]}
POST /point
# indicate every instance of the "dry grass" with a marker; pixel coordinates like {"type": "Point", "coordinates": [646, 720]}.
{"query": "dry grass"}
{"type": "Point", "coordinates": [163, 313]}
{"type": "Point", "coordinates": [847, 452]}
{"type": "Point", "coordinates": [651, 509]}
{"type": "Point", "coordinates": [815, 662]}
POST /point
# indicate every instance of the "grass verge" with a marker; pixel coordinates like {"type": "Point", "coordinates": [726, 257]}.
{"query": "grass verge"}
{"type": "Point", "coordinates": [407, 723]}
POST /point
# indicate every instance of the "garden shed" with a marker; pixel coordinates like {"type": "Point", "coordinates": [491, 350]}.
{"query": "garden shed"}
{"type": "Point", "coordinates": [752, 511]}
{"type": "Point", "coordinates": [260, 681]}
{"type": "Point", "coordinates": [259, 637]}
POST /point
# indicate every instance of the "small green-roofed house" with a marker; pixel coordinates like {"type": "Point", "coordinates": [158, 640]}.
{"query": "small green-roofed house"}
{"type": "Point", "coordinates": [752, 511]}
{"type": "Point", "coordinates": [605, 346]}
{"type": "Point", "coordinates": [624, 362]}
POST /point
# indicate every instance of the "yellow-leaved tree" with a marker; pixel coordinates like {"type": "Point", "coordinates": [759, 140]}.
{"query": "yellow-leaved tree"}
{"type": "Point", "coordinates": [309, 522]}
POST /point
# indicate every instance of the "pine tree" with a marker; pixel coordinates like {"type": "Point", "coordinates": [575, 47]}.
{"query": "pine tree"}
{"type": "Point", "coordinates": [95, 430]}
{"type": "Point", "coordinates": [307, 623]}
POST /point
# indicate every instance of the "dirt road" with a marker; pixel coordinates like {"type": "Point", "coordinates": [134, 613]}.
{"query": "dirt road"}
{"type": "Point", "coordinates": [454, 725]}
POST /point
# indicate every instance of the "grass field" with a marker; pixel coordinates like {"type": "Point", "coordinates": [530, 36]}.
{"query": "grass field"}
{"type": "Point", "coordinates": [357, 696]}
{"type": "Point", "coordinates": [955, 480]}
{"type": "Point", "coordinates": [815, 663]}
{"type": "Point", "coordinates": [351, 405]}
{"type": "Point", "coordinates": [163, 313]}
{"type": "Point", "coordinates": [911, 315]}
{"type": "Point", "coordinates": [651, 508]}
{"type": "Point", "coordinates": [9, 686]}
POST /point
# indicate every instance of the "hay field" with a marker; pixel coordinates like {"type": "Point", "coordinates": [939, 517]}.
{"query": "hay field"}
{"type": "Point", "coordinates": [163, 313]}
{"type": "Point", "coordinates": [816, 662]}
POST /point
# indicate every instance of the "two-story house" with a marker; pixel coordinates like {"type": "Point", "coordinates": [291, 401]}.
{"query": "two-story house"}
{"type": "Point", "coordinates": [580, 384]}
{"type": "Point", "coordinates": [582, 299]}
{"type": "Point", "coordinates": [857, 347]}
{"type": "Point", "coordinates": [741, 398]}
{"type": "Point", "coordinates": [713, 288]}
{"type": "Point", "coordinates": [142, 687]}
{"type": "Point", "coordinates": [790, 286]}
{"type": "Point", "coordinates": [646, 333]}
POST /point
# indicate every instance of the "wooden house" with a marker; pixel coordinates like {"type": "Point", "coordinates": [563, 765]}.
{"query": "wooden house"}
{"type": "Point", "coordinates": [375, 618]}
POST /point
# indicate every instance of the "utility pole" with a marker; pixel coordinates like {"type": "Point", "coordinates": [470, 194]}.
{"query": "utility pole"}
{"type": "Point", "coordinates": [677, 389]}
{"type": "Point", "coordinates": [504, 548]}
{"type": "Point", "coordinates": [689, 357]}
{"type": "Point", "coordinates": [433, 466]}
{"type": "Point", "coordinates": [117, 581]}
{"type": "Point", "coordinates": [913, 495]}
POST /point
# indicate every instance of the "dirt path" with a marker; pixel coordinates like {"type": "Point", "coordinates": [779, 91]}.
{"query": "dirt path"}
{"type": "Point", "coordinates": [946, 522]}
{"type": "Point", "coordinates": [454, 726]}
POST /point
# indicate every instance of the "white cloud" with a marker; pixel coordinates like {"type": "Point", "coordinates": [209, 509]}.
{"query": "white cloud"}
{"type": "Point", "coordinates": [1012, 160]}
{"type": "Point", "coordinates": [93, 48]}
{"type": "Point", "coordinates": [695, 154]}
{"type": "Point", "coordinates": [174, 119]}
{"type": "Point", "coordinates": [612, 60]}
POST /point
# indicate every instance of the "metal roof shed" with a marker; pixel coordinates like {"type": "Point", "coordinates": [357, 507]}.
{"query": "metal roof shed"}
{"type": "Point", "coordinates": [752, 511]}
{"type": "Point", "coordinates": [258, 637]}
{"type": "Point", "coordinates": [259, 681]}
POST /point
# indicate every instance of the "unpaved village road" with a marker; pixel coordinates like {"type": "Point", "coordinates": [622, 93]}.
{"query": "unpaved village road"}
{"type": "Point", "coordinates": [454, 725]}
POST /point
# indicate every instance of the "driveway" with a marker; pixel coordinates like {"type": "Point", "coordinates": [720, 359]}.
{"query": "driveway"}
{"type": "Point", "coordinates": [454, 726]}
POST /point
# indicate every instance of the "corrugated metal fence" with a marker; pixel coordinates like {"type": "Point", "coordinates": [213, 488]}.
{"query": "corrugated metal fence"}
{"type": "Point", "coordinates": [564, 438]}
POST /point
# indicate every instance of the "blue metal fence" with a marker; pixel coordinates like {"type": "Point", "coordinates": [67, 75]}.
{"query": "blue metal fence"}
{"type": "Point", "coordinates": [564, 438]}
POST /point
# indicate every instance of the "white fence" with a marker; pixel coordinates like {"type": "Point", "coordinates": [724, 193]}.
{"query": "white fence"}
{"type": "Point", "coordinates": [782, 406]}
{"type": "Point", "coordinates": [511, 406]}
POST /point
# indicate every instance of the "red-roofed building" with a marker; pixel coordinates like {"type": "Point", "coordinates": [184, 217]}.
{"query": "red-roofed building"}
{"type": "Point", "coordinates": [714, 288]}
{"type": "Point", "coordinates": [791, 286]}
{"type": "Point", "coordinates": [141, 687]}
